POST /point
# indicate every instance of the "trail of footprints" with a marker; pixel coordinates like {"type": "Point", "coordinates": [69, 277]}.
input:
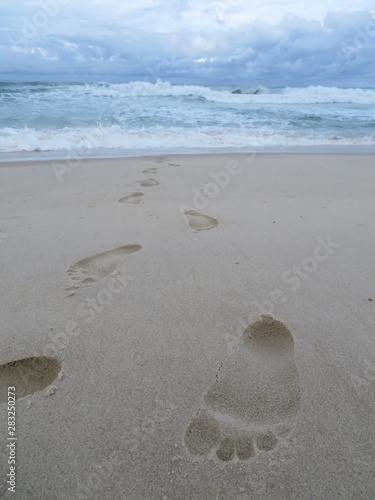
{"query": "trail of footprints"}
{"type": "Point", "coordinates": [196, 221]}
{"type": "Point", "coordinates": [253, 403]}
{"type": "Point", "coordinates": [31, 375]}
{"type": "Point", "coordinates": [136, 198]}
{"type": "Point", "coordinates": [34, 374]}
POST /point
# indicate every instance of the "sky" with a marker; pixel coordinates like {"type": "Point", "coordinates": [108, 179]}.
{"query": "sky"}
{"type": "Point", "coordinates": [212, 42]}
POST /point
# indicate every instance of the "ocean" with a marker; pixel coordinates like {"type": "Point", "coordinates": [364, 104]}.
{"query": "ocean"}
{"type": "Point", "coordinates": [161, 117]}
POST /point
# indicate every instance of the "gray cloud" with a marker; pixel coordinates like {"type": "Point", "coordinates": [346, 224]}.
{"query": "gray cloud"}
{"type": "Point", "coordinates": [336, 50]}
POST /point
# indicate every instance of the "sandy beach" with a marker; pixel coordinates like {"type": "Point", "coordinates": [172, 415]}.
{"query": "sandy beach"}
{"type": "Point", "coordinates": [189, 327]}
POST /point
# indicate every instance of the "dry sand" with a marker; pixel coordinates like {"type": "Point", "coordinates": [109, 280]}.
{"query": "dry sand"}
{"type": "Point", "coordinates": [166, 345]}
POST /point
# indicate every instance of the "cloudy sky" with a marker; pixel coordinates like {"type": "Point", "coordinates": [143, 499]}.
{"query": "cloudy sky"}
{"type": "Point", "coordinates": [254, 42]}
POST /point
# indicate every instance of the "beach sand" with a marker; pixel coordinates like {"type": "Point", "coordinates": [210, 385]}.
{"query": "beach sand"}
{"type": "Point", "coordinates": [195, 327]}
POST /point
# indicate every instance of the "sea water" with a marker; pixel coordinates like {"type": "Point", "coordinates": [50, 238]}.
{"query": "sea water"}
{"type": "Point", "coordinates": [149, 117]}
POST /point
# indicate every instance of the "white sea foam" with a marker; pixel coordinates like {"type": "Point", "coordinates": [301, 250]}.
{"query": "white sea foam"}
{"type": "Point", "coordinates": [144, 115]}
{"type": "Point", "coordinates": [114, 137]}
{"type": "Point", "coordinates": [306, 95]}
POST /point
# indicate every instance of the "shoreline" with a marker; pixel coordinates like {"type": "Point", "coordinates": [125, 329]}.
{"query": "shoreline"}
{"type": "Point", "coordinates": [75, 155]}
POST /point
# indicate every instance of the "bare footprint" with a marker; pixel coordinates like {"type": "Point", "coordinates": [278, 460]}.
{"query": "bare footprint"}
{"type": "Point", "coordinates": [256, 396]}
{"type": "Point", "coordinates": [200, 222]}
{"type": "Point", "coordinates": [95, 268]}
{"type": "Point", "coordinates": [133, 199]}
{"type": "Point", "coordinates": [149, 183]}
{"type": "Point", "coordinates": [27, 376]}
{"type": "Point", "coordinates": [152, 171]}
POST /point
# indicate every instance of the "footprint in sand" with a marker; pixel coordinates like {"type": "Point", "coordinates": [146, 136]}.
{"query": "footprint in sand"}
{"type": "Point", "coordinates": [256, 396]}
{"type": "Point", "coordinates": [95, 268]}
{"type": "Point", "coordinates": [149, 183]}
{"type": "Point", "coordinates": [27, 375]}
{"type": "Point", "coordinates": [200, 222]}
{"type": "Point", "coordinates": [152, 171]}
{"type": "Point", "coordinates": [133, 199]}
